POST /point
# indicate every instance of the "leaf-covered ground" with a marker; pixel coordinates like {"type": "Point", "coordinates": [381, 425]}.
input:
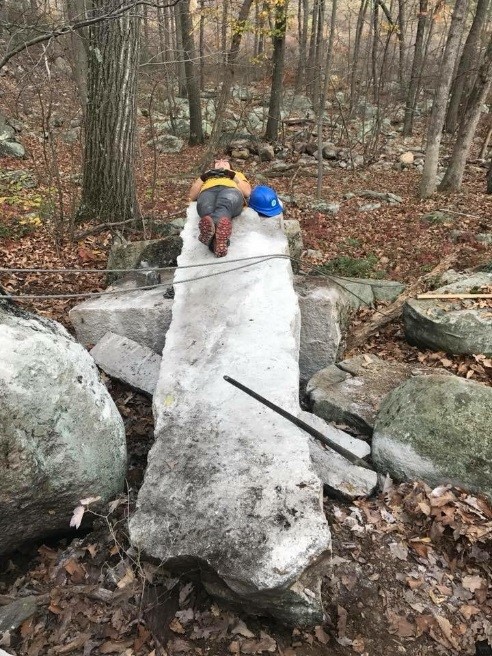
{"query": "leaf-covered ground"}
{"type": "Point", "coordinates": [411, 570]}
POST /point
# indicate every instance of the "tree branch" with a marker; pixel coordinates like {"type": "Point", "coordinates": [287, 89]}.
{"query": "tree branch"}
{"type": "Point", "coordinates": [79, 25]}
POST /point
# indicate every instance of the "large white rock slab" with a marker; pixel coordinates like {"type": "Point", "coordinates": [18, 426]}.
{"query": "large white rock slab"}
{"type": "Point", "coordinates": [61, 436]}
{"type": "Point", "coordinates": [124, 359]}
{"type": "Point", "coordinates": [229, 491]}
{"type": "Point", "coordinates": [141, 315]}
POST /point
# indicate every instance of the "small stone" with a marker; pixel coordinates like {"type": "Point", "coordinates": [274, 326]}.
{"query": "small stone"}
{"type": "Point", "coordinates": [407, 159]}
{"type": "Point", "coordinates": [242, 153]}
{"type": "Point", "coordinates": [369, 207]}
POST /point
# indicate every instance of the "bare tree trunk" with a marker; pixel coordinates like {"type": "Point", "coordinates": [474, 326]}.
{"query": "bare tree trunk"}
{"type": "Point", "coordinates": [201, 45]}
{"type": "Point", "coordinates": [468, 125]}
{"type": "Point", "coordinates": [179, 56]}
{"type": "Point", "coordinates": [192, 88]}
{"type": "Point", "coordinates": [76, 10]}
{"type": "Point", "coordinates": [354, 96]}
{"type": "Point", "coordinates": [468, 64]}
{"type": "Point", "coordinates": [401, 41]}
{"type": "Point", "coordinates": [310, 72]}
{"type": "Point", "coordinates": [374, 50]}
{"type": "Point", "coordinates": [228, 78]}
{"type": "Point", "coordinates": [436, 122]}
{"type": "Point", "coordinates": [418, 60]}
{"type": "Point", "coordinates": [324, 88]}
{"type": "Point", "coordinates": [108, 188]}
{"type": "Point", "coordinates": [273, 123]}
{"type": "Point", "coordinates": [225, 20]}
{"type": "Point", "coordinates": [303, 22]}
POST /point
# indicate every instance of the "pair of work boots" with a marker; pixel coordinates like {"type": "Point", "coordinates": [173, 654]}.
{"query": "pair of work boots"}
{"type": "Point", "coordinates": [215, 235]}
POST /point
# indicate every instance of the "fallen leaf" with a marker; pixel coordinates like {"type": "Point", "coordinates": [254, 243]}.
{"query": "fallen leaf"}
{"type": "Point", "coordinates": [243, 630]}
{"type": "Point", "coordinates": [399, 551]}
{"type": "Point", "coordinates": [126, 579]}
{"type": "Point", "coordinates": [473, 583]}
{"type": "Point", "coordinates": [447, 629]}
{"type": "Point", "coordinates": [468, 611]}
{"type": "Point", "coordinates": [321, 636]}
{"type": "Point", "coordinates": [176, 626]}
{"type": "Point", "coordinates": [78, 513]}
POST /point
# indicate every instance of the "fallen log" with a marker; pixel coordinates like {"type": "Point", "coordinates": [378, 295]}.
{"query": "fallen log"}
{"type": "Point", "coordinates": [393, 311]}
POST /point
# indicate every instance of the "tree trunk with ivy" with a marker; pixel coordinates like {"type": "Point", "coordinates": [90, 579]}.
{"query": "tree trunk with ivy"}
{"type": "Point", "coordinates": [108, 188]}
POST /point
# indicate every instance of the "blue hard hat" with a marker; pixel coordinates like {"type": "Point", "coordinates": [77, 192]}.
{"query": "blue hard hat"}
{"type": "Point", "coordinates": [265, 201]}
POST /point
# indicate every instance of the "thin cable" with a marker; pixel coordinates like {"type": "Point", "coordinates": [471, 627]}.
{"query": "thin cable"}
{"type": "Point", "coordinates": [7, 297]}
{"type": "Point", "coordinates": [142, 269]}
{"type": "Point", "coordinates": [256, 259]}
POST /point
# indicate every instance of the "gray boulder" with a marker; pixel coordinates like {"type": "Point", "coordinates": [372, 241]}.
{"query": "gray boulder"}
{"type": "Point", "coordinates": [19, 179]}
{"type": "Point", "coordinates": [122, 358]}
{"type": "Point", "coordinates": [351, 392]}
{"type": "Point", "coordinates": [452, 326]}
{"type": "Point", "coordinates": [61, 436]}
{"type": "Point", "coordinates": [153, 253]}
{"type": "Point", "coordinates": [340, 478]}
{"type": "Point", "coordinates": [438, 429]}
{"type": "Point", "coordinates": [293, 232]}
{"type": "Point", "coordinates": [325, 306]}
{"type": "Point", "coordinates": [11, 149]}
{"type": "Point", "coordinates": [140, 315]}
{"type": "Point", "coordinates": [324, 315]}
{"type": "Point", "coordinates": [167, 143]}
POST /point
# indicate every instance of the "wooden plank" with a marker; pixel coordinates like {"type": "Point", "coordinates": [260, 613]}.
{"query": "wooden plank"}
{"type": "Point", "coordinates": [452, 296]}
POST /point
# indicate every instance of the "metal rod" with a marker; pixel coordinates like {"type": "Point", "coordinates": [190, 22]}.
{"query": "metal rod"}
{"type": "Point", "coordinates": [301, 424]}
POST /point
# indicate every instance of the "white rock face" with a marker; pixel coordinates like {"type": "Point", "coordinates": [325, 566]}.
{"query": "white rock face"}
{"type": "Point", "coordinates": [61, 436]}
{"type": "Point", "coordinates": [229, 487]}
{"type": "Point", "coordinates": [124, 359]}
{"type": "Point", "coordinates": [141, 315]}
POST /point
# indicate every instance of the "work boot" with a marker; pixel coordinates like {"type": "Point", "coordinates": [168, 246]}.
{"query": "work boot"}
{"type": "Point", "coordinates": [207, 230]}
{"type": "Point", "coordinates": [223, 231]}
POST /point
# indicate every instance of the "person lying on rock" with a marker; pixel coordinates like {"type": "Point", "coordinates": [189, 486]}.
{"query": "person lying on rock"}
{"type": "Point", "coordinates": [220, 195]}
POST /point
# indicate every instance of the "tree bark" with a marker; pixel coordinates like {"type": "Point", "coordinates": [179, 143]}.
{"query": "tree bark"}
{"type": "Point", "coordinates": [467, 67]}
{"type": "Point", "coordinates": [438, 113]}
{"type": "Point", "coordinates": [468, 125]}
{"type": "Point", "coordinates": [108, 188]}
{"type": "Point", "coordinates": [179, 56]}
{"type": "Point", "coordinates": [228, 78]}
{"type": "Point", "coordinates": [418, 60]}
{"type": "Point", "coordinates": [76, 10]}
{"type": "Point", "coordinates": [324, 89]}
{"type": "Point", "coordinates": [402, 24]}
{"type": "Point", "coordinates": [354, 96]}
{"type": "Point", "coordinates": [303, 22]}
{"type": "Point", "coordinates": [192, 87]}
{"type": "Point", "coordinates": [273, 123]}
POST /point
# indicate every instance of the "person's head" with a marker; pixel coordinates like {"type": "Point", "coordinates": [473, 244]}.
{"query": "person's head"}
{"type": "Point", "coordinates": [222, 163]}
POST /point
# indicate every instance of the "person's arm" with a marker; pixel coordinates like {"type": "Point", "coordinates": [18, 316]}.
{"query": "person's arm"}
{"type": "Point", "coordinates": [195, 189]}
{"type": "Point", "coordinates": [243, 185]}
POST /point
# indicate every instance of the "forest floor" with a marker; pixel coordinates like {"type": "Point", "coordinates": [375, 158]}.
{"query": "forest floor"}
{"type": "Point", "coordinates": [411, 567]}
